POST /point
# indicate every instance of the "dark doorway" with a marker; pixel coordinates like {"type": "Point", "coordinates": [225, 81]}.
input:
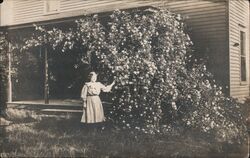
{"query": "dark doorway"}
{"type": "Point", "coordinates": [67, 76]}
{"type": "Point", "coordinates": [27, 75]}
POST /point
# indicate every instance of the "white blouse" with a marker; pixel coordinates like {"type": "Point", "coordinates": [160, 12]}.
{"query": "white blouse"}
{"type": "Point", "coordinates": [94, 89]}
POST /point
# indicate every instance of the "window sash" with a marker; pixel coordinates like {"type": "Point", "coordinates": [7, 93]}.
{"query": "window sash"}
{"type": "Point", "coordinates": [243, 43]}
{"type": "Point", "coordinates": [243, 69]}
{"type": "Point", "coordinates": [243, 64]}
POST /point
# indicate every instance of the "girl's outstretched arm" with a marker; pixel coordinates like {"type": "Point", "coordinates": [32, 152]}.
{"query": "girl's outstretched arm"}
{"type": "Point", "coordinates": [107, 88]}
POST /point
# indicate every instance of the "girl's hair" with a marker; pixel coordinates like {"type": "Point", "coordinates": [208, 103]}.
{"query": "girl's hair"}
{"type": "Point", "coordinates": [91, 74]}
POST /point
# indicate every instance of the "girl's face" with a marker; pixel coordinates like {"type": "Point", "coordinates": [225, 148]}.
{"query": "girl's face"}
{"type": "Point", "coordinates": [93, 78]}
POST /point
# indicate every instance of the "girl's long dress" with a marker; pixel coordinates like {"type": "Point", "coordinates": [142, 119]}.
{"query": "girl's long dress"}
{"type": "Point", "coordinates": [93, 113]}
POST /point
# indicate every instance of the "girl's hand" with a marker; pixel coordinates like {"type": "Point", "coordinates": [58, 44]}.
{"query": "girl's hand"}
{"type": "Point", "coordinates": [113, 83]}
{"type": "Point", "coordinates": [84, 103]}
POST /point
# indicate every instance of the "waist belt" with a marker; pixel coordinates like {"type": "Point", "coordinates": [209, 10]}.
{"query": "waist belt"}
{"type": "Point", "coordinates": [92, 95]}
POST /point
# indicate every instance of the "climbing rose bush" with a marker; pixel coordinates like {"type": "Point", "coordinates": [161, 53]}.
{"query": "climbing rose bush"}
{"type": "Point", "coordinates": [159, 87]}
{"type": "Point", "coordinates": [143, 54]}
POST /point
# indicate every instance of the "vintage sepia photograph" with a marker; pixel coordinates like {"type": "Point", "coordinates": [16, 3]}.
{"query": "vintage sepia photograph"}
{"type": "Point", "coordinates": [125, 78]}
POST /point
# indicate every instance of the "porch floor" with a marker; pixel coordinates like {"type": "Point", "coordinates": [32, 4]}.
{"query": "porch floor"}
{"type": "Point", "coordinates": [65, 102]}
{"type": "Point", "coordinates": [54, 106]}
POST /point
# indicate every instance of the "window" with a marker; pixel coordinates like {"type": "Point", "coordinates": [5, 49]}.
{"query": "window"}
{"type": "Point", "coordinates": [0, 14]}
{"type": "Point", "coordinates": [51, 6]}
{"type": "Point", "coordinates": [243, 64]}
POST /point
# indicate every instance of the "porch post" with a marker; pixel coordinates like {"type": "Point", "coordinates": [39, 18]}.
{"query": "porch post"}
{"type": "Point", "coordinates": [9, 75]}
{"type": "Point", "coordinates": [46, 81]}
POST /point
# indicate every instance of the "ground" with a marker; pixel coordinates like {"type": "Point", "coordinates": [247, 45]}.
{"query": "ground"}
{"type": "Point", "coordinates": [31, 135]}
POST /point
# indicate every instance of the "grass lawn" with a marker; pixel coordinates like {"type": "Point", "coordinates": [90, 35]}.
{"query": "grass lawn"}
{"type": "Point", "coordinates": [34, 136]}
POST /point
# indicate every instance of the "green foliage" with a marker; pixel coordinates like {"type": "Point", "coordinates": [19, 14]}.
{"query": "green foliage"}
{"type": "Point", "coordinates": [159, 87]}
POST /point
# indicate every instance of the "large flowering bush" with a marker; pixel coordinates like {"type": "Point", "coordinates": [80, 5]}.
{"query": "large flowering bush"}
{"type": "Point", "coordinates": [159, 87]}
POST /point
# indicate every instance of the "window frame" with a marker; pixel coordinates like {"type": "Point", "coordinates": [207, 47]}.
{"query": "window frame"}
{"type": "Point", "coordinates": [243, 55]}
{"type": "Point", "coordinates": [46, 12]}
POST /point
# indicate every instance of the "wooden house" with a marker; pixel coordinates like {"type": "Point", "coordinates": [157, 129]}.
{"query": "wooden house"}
{"type": "Point", "coordinates": [218, 28]}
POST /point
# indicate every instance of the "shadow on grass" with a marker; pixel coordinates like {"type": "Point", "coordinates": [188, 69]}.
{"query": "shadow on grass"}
{"type": "Point", "coordinates": [59, 125]}
{"type": "Point", "coordinates": [7, 146]}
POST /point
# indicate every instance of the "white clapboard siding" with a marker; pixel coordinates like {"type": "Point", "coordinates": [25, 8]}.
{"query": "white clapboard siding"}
{"type": "Point", "coordinates": [203, 17]}
{"type": "Point", "coordinates": [208, 22]}
{"type": "Point", "coordinates": [238, 16]}
{"type": "Point", "coordinates": [28, 11]}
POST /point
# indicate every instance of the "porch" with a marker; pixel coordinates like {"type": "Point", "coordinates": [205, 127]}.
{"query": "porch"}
{"type": "Point", "coordinates": [55, 106]}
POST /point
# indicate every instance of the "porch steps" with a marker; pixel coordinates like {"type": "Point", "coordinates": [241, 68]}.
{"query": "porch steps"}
{"type": "Point", "coordinates": [42, 106]}
{"type": "Point", "coordinates": [61, 110]}
{"type": "Point", "coordinates": [74, 109]}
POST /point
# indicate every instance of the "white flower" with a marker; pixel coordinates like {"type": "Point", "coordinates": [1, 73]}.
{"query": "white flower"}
{"type": "Point", "coordinates": [174, 106]}
{"type": "Point", "coordinates": [204, 67]}
{"type": "Point", "coordinates": [212, 124]}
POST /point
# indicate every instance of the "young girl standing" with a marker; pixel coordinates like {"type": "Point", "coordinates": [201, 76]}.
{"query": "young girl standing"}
{"type": "Point", "coordinates": [92, 105]}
